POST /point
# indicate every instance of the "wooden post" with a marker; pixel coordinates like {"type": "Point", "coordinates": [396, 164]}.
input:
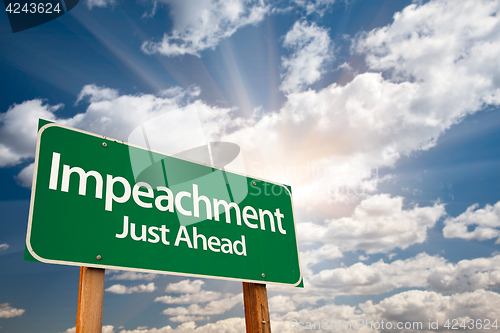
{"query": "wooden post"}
{"type": "Point", "coordinates": [90, 297]}
{"type": "Point", "coordinates": [256, 308]}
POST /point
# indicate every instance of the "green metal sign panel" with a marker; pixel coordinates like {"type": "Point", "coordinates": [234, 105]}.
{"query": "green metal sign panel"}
{"type": "Point", "coordinates": [100, 202]}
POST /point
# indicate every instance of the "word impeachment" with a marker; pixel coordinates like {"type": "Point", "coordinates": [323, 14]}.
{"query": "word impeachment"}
{"type": "Point", "coordinates": [143, 195]}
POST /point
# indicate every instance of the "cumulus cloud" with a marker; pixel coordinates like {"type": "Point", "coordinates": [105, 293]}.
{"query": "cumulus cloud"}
{"type": "Point", "coordinates": [435, 64]}
{"type": "Point", "coordinates": [216, 307]}
{"type": "Point", "coordinates": [281, 303]}
{"type": "Point", "coordinates": [6, 311]}
{"type": "Point", "coordinates": [109, 114]}
{"type": "Point", "coordinates": [121, 289]}
{"type": "Point", "coordinates": [414, 306]}
{"type": "Point", "coordinates": [378, 224]}
{"type": "Point", "coordinates": [183, 319]}
{"type": "Point", "coordinates": [99, 3]}
{"type": "Point", "coordinates": [185, 287]}
{"type": "Point", "coordinates": [132, 276]}
{"type": "Point", "coordinates": [25, 177]}
{"type": "Point", "coordinates": [378, 277]}
{"type": "Point", "coordinates": [185, 327]}
{"type": "Point", "coordinates": [18, 130]}
{"type": "Point", "coordinates": [198, 297]}
{"type": "Point", "coordinates": [4, 246]}
{"type": "Point", "coordinates": [466, 275]}
{"type": "Point", "coordinates": [420, 306]}
{"type": "Point", "coordinates": [105, 329]}
{"type": "Point", "coordinates": [310, 258]}
{"type": "Point", "coordinates": [230, 325]}
{"type": "Point", "coordinates": [202, 24]}
{"type": "Point", "coordinates": [193, 294]}
{"type": "Point", "coordinates": [315, 6]}
{"type": "Point", "coordinates": [422, 271]}
{"type": "Point", "coordinates": [96, 94]}
{"type": "Point", "coordinates": [311, 50]}
{"type": "Point", "coordinates": [486, 222]}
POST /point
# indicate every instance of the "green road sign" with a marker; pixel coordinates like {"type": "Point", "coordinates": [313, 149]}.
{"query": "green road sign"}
{"type": "Point", "coordinates": [100, 202]}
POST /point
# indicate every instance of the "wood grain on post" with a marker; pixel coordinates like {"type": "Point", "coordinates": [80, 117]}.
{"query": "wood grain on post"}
{"type": "Point", "coordinates": [256, 308]}
{"type": "Point", "coordinates": [90, 298]}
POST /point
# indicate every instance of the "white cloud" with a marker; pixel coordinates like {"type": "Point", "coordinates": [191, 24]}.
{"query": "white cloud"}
{"type": "Point", "coordinates": [281, 303]}
{"type": "Point", "coordinates": [486, 221]}
{"type": "Point", "coordinates": [378, 277]}
{"type": "Point", "coordinates": [185, 287]}
{"type": "Point", "coordinates": [315, 6]}
{"type": "Point", "coordinates": [121, 289]}
{"type": "Point", "coordinates": [216, 307]}
{"type": "Point", "coordinates": [18, 130]}
{"type": "Point", "coordinates": [108, 114]}
{"type": "Point", "coordinates": [96, 94]}
{"type": "Point", "coordinates": [105, 329]}
{"type": "Point", "coordinates": [132, 276]}
{"type": "Point", "coordinates": [311, 47]}
{"type": "Point", "coordinates": [198, 297]}
{"type": "Point", "coordinates": [99, 3]}
{"type": "Point", "coordinates": [186, 327]}
{"type": "Point", "coordinates": [435, 64]}
{"type": "Point", "coordinates": [183, 318]}
{"type": "Point", "coordinates": [193, 295]}
{"type": "Point", "coordinates": [378, 224]}
{"type": "Point", "coordinates": [202, 24]}
{"type": "Point", "coordinates": [310, 258]}
{"type": "Point", "coordinates": [6, 311]}
{"type": "Point", "coordinates": [412, 306]}
{"type": "Point", "coordinates": [421, 271]}
{"type": "Point", "coordinates": [230, 325]}
{"type": "Point", "coordinates": [438, 43]}
{"type": "Point", "coordinates": [25, 177]}
{"type": "Point", "coordinates": [420, 306]}
{"type": "Point", "coordinates": [4, 246]}
{"type": "Point", "coordinates": [466, 275]}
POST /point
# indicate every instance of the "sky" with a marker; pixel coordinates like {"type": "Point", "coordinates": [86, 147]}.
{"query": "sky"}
{"type": "Point", "coordinates": [380, 115]}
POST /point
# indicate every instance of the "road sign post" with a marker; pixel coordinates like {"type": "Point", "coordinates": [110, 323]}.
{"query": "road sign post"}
{"type": "Point", "coordinates": [256, 308]}
{"type": "Point", "coordinates": [90, 300]}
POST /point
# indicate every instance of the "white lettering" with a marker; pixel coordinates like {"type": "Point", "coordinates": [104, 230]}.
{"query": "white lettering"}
{"type": "Point", "coordinates": [134, 236]}
{"type": "Point", "coordinates": [243, 247]}
{"type": "Point", "coordinates": [82, 189]}
{"type": "Point", "coordinates": [178, 204]}
{"type": "Point", "coordinates": [183, 235]}
{"type": "Point", "coordinates": [110, 195]}
{"type": "Point", "coordinates": [218, 203]}
{"type": "Point", "coordinates": [279, 216]}
{"type": "Point", "coordinates": [247, 216]}
{"type": "Point", "coordinates": [125, 228]}
{"type": "Point", "coordinates": [151, 232]}
{"type": "Point", "coordinates": [213, 241]}
{"type": "Point", "coordinates": [262, 213]}
{"type": "Point", "coordinates": [196, 203]}
{"type": "Point", "coordinates": [54, 171]}
{"type": "Point", "coordinates": [136, 193]}
{"type": "Point", "coordinates": [168, 197]}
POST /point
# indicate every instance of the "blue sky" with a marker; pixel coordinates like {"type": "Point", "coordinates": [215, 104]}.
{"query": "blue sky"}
{"type": "Point", "coordinates": [381, 115]}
